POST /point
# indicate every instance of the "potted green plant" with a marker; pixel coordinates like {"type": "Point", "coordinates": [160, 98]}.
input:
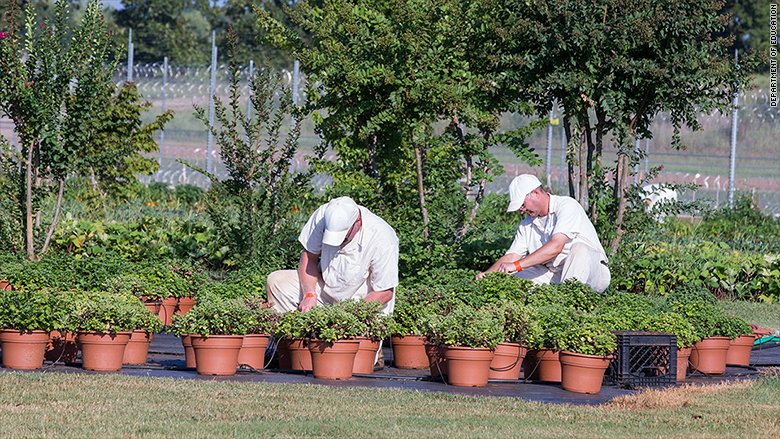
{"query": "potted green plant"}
{"type": "Point", "coordinates": [741, 345]}
{"type": "Point", "coordinates": [378, 326]}
{"type": "Point", "coordinates": [677, 324]}
{"type": "Point", "coordinates": [262, 323]}
{"type": "Point", "coordinates": [333, 333]}
{"type": "Point", "coordinates": [216, 327]}
{"type": "Point", "coordinates": [715, 331]}
{"type": "Point", "coordinates": [291, 343]}
{"type": "Point", "coordinates": [470, 336]}
{"type": "Point", "coordinates": [509, 354]}
{"type": "Point", "coordinates": [26, 318]}
{"type": "Point", "coordinates": [103, 323]}
{"type": "Point", "coordinates": [146, 325]}
{"type": "Point", "coordinates": [586, 350]}
{"type": "Point", "coordinates": [546, 329]}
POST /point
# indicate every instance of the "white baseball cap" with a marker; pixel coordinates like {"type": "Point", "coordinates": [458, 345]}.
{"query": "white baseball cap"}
{"type": "Point", "coordinates": [340, 214]}
{"type": "Point", "coordinates": [520, 187]}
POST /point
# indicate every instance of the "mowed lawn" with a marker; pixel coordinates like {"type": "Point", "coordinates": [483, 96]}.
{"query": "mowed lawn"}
{"type": "Point", "coordinates": [58, 405]}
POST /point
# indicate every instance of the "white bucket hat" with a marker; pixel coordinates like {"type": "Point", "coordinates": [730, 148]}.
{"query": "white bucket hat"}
{"type": "Point", "coordinates": [520, 187]}
{"type": "Point", "coordinates": [340, 214]}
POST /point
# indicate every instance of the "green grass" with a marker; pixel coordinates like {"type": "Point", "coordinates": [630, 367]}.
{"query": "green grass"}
{"type": "Point", "coordinates": [765, 315]}
{"type": "Point", "coordinates": [107, 406]}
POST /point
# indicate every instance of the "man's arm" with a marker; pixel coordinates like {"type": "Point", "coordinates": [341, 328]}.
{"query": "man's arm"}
{"type": "Point", "coordinates": [307, 273]}
{"type": "Point", "coordinates": [380, 296]}
{"type": "Point", "coordinates": [506, 263]}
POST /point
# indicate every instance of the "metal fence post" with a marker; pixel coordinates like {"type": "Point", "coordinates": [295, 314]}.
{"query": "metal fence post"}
{"type": "Point", "coordinates": [733, 154]}
{"type": "Point", "coordinates": [130, 56]}
{"type": "Point", "coordinates": [212, 91]}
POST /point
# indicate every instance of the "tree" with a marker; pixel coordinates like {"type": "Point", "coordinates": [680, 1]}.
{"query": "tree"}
{"type": "Point", "coordinates": [53, 88]}
{"type": "Point", "coordinates": [613, 65]}
{"type": "Point", "coordinates": [392, 72]}
{"type": "Point", "coordinates": [114, 158]}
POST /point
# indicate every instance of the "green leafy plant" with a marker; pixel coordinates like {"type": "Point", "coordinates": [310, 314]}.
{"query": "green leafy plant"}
{"type": "Point", "coordinates": [548, 322]}
{"type": "Point", "coordinates": [213, 315]}
{"type": "Point", "coordinates": [263, 319]}
{"type": "Point", "coordinates": [465, 326]}
{"type": "Point", "coordinates": [514, 317]}
{"type": "Point", "coordinates": [41, 310]}
{"type": "Point", "coordinates": [587, 336]}
{"type": "Point", "coordinates": [622, 311]}
{"type": "Point", "coordinates": [334, 322]}
{"type": "Point", "coordinates": [292, 325]}
{"type": "Point", "coordinates": [105, 312]}
{"type": "Point", "coordinates": [671, 322]}
{"type": "Point", "coordinates": [571, 294]}
{"type": "Point", "coordinates": [378, 326]}
{"type": "Point", "coordinates": [709, 320]}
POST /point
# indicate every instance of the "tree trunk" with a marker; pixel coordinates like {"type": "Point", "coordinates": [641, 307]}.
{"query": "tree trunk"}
{"type": "Point", "coordinates": [620, 193]}
{"type": "Point", "coordinates": [583, 192]}
{"type": "Point", "coordinates": [421, 189]}
{"type": "Point", "coordinates": [56, 217]}
{"type": "Point", "coordinates": [28, 202]}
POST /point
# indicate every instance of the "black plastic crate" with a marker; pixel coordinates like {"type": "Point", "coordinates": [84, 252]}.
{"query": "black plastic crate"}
{"type": "Point", "coordinates": [643, 359]}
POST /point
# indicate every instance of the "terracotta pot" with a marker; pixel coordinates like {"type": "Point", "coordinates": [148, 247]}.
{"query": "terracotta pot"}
{"type": "Point", "coordinates": [333, 360]}
{"type": "Point", "coordinates": [709, 355]}
{"type": "Point", "coordinates": [507, 362]}
{"type": "Point", "coordinates": [189, 352]}
{"type": "Point", "coordinates": [23, 349]}
{"type": "Point", "coordinates": [137, 348]}
{"type": "Point", "coordinates": [436, 361]}
{"type": "Point", "coordinates": [582, 373]}
{"type": "Point", "coordinates": [682, 362]}
{"type": "Point", "coordinates": [409, 352]}
{"type": "Point", "coordinates": [217, 354]}
{"type": "Point", "coordinates": [542, 365]}
{"type": "Point", "coordinates": [294, 354]}
{"type": "Point", "coordinates": [366, 356]}
{"type": "Point", "coordinates": [167, 310]}
{"type": "Point", "coordinates": [739, 350]}
{"type": "Point", "coordinates": [185, 304]}
{"type": "Point", "coordinates": [252, 350]}
{"type": "Point", "coordinates": [61, 347]}
{"type": "Point", "coordinates": [468, 367]}
{"type": "Point", "coordinates": [102, 351]}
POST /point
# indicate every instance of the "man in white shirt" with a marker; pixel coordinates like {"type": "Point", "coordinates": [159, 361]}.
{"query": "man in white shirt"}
{"type": "Point", "coordinates": [349, 253]}
{"type": "Point", "coordinates": [556, 240]}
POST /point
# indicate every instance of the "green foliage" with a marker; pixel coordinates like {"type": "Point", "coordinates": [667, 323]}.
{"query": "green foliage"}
{"type": "Point", "coordinates": [466, 326]}
{"type": "Point", "coordinates": [214, 315]}
{"type": "Point", "coordinates": [292, 325]}
{"type": "Point", "coordinates": [549, 324]}
{"type": "Point", "coordinates": [671, 322]}
{"type": "Point", "coordinates": [64, 272]}
{"type": "Point", "coordinates": [55, 88]}
{"type": "Point", "coordinates": [623, 311]}
{"type": "Point", "coordinates": [121, 147]}
{"type": "Point", "coordinates": [495, 287]}
{"type": "Point", "coordinates": [42, 310]}
{"type": "Point", "coordinates": [106, 312]}
{"type": "Point", "coordinates": [254, 209]}
{"type": "Point", "coordinates": [263, 319]}
{"type": "Point", "coordinates": [570, 294]}
{"type": "Point", "coordinates": [587, 336]}
{"type": "Point", "coordinates": [514, 317]}
{"type": "Point", "coordinates": [334, 322]}
{"type": "Point", "coordinates": [708, 320]}
{"type": "Point", "coordinates": [378, 325]}
{"type": "Point", "coordinates": [146, 320]}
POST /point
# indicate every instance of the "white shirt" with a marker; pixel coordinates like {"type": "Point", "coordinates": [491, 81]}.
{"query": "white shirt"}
{"type": "Point", "coordinates": [367, 263]}
{"type": "Point", "coordinates": [564, 216]}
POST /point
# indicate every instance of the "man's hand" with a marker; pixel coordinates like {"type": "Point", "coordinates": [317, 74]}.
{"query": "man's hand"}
{"type": "Point", "coordinates": [308, 302]}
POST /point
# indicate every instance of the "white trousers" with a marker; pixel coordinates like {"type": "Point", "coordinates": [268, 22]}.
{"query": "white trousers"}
{"type": "Point", "coordinates": [583, 263]}
{"type": "Point", "coordinates": [283, 288]}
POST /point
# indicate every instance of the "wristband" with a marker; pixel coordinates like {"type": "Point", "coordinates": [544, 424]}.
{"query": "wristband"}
{"type": "Point", "coordinates": [309, 295]}
{"type": "Point", "coordinates": [518, 267]}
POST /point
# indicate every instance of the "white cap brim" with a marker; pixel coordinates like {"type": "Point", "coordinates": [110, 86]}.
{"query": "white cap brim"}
{"type": "Point", "coordinates": [334, 238]}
